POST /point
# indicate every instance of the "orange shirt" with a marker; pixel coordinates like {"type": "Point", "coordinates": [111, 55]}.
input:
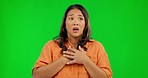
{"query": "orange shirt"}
{"type": "Point", "coordinates": [51, 52]}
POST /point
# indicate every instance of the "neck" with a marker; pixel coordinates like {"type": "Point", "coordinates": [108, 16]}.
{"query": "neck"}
{"type": "Point", "coordinates": [74, 41]}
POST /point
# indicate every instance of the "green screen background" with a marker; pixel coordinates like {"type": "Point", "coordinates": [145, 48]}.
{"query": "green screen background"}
{"type": "Point", "coordinates": [120, 25]}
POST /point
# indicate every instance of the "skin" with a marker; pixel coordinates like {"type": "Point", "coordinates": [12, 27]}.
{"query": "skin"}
{"type": "Point", "coordinates": [74, 19]}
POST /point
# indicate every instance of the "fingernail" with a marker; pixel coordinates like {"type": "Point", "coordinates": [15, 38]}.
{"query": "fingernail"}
{"type": "Point", "coordinates": [69, 47]}
{"type": "Point", "coordinates": [79, 46]}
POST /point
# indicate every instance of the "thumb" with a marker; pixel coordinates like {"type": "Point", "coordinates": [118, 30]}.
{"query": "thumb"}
{"type": "Point", "coordinates": [72, 62]}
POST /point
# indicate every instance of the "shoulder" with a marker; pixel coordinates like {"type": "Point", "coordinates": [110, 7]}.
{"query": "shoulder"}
{"type": "Point", "coordinates": [52, 43]}
{"type": "Point", "coordinates": [95, 42]}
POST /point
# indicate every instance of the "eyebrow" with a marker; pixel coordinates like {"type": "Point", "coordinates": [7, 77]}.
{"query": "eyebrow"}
{"type": "Point", "coordinates": [80, 15]}
{"type": "Point", "coordinates": [73, 14]}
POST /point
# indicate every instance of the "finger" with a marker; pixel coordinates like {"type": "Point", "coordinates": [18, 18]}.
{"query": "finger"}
{"type": "Point", "coordinates": [68, 56]}
{"type": "Point", "coordinates": [69, 46]}
{"type": "Point", "coordinates": [68, 53]}
{"type": "Point", "coordinates": [72, 62]}
{"type": "Point", "coordinates": [73, 49]}
{"type": "Point", "coordinates": [81, 49]}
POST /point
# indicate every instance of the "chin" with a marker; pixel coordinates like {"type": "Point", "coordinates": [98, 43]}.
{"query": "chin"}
{"type": "Point", "coordinates": [76, 36]}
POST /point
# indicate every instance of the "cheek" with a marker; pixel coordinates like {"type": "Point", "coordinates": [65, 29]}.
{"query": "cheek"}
{"type": "Point", "coordinates": [68, 22]}
{"type": "Point", "coordinates": [82, 26]}
{"type": "Point", "coordinates": [82, 29]}
{"type": "Point", "coordinates": [68, 26]}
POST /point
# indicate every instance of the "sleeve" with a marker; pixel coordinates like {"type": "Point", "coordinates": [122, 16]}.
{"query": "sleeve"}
{"type": "Point", "coordinates": [103, 61]}
{"type": "Point", "coordinates": [45, 56]}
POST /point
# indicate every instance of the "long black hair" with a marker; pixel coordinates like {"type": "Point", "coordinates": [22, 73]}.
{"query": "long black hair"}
{"type": "Point", "coordinates": [62, 37]}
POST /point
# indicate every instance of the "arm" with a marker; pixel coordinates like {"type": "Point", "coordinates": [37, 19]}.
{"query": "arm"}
{"type": "Point", "coordinates": [50, 70]}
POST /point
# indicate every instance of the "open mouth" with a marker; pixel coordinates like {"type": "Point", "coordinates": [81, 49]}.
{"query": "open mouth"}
{"type": "Point", "coordinates": [75, 29]}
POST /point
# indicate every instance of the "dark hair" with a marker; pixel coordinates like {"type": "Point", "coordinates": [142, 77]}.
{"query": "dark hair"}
{"type": "Point", "coordinates": [63, 32]}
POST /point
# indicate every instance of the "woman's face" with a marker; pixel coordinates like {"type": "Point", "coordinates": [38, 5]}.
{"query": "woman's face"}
{"type": "Point", "coordinates": [75, 23]}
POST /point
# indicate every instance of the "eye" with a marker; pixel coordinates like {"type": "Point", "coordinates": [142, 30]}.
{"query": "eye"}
{"type": "Point", "coordinates": [81, 19]}
{"type": "Point", "coordinates": [71, 18]}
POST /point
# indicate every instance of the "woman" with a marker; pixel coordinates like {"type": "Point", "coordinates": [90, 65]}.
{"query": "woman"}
{"type": "Point", "coordinates": [73, 54]}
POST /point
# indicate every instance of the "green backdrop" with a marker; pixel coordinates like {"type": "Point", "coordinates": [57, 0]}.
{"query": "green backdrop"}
{"type": "Point", "coordinates": [120, 25]}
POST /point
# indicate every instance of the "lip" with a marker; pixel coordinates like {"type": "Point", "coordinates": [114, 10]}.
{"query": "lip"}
{"type": "Point", "coordinates": [75, 29]}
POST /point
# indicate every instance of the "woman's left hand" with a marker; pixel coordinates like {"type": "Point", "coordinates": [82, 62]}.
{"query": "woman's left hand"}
{"type": "Point", "coordinates": [77, 56]}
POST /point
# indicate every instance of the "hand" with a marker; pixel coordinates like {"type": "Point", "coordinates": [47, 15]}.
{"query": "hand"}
{"type": "Point", "coordinates": [76, 56]}
{"type": "Point", "coordinates": [64, 60]}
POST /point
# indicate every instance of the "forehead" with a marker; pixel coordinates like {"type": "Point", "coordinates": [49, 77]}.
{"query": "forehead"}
{"type": "Point", "coordinates": [74, 12]}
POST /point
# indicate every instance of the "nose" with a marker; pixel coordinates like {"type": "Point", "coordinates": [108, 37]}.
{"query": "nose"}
{"type": "Point", "coordinates": [75, 22]}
